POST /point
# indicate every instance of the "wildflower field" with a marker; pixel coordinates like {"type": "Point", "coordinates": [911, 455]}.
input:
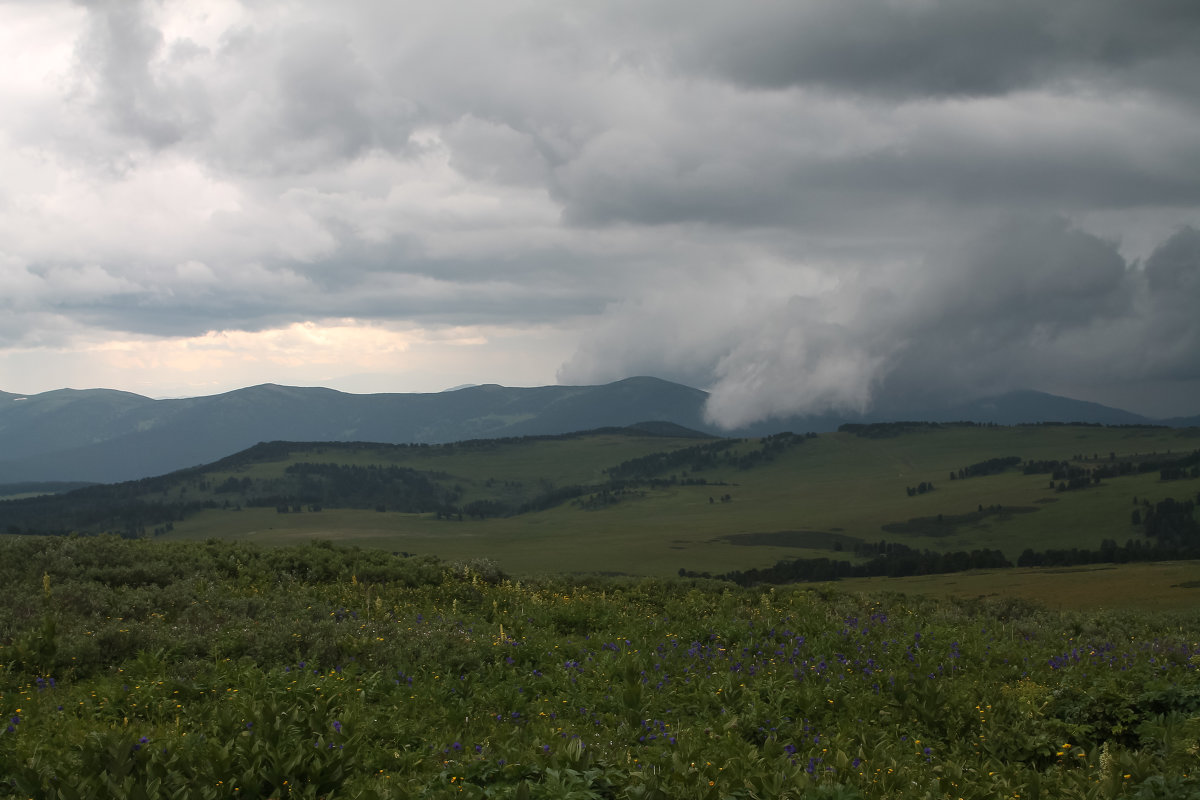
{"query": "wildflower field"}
{"type": "Point", "coordinates": [143, 669]}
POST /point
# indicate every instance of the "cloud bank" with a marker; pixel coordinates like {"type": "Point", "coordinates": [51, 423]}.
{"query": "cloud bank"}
{"type": "Point", "coordinates": [801, 207]}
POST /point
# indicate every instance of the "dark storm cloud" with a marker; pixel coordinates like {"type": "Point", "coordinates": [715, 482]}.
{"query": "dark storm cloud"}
{"type": "Point", "coordinates": [1008, 309]}
{"type": "Point", "coordinates": [1030, 302]}
{"type": "Point", "coordinates": [945, 47]}
{"type": "Point", "coordinates": [848, 71]}
{"type": "Point", "coordinates": [1172, 348]}
{"type": "Point", "coordinates": [1026, 273]}
{"type": "Point", "coordinates": [1173, 269]}
{"type": "Point", "coordinates": [1038, 303]}
{"type": "Point", "coordinates": [764, 168]}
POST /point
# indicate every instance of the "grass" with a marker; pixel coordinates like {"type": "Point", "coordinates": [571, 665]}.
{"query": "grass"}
{"type": "Point", "coordinates": [844, 487]}
{"type": "Point", "coordinates": [211, 668]}
{"type": "Point", "coordinates": [1163, 586]}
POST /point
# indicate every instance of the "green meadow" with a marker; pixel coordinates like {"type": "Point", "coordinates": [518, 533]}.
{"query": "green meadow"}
{"type": "Point", "coordinates": [1154, 587]}
{"type": "Point", "coordinates": [814, 499]}
{"type": "Point", "coordinates": [274, 626]}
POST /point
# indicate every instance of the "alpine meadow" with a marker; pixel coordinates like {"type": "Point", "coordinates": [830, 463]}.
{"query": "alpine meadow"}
{"type": "Point", "coordinates": [620, 613]}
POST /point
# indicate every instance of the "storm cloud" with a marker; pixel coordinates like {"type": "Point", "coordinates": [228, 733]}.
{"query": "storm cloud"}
{"type": "Point", "coordinates": [799, 206]}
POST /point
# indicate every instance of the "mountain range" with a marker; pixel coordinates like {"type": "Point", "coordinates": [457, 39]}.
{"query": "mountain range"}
{"type": "Point", "coordinates": [104, 435]}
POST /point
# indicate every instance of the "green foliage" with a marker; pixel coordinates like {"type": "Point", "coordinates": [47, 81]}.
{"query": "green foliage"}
{"type": "Point", "coordinates": [145, 669]}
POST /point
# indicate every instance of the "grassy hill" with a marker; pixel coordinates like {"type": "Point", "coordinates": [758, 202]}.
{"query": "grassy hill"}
{"type": "Point", "coordinates": [817, 498]}
{"type": "Point", "coordinates": [625, 501]}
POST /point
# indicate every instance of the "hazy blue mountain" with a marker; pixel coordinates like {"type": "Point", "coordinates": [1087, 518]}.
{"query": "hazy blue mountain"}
{"type": "Point", "coordinates": [68, 418]}
{"type": "Point", "coordinates": [1014, 408]}
{"type": "Point", "coordinates": [106, 436]}
{"type": "Point", "coordinates": [1011, 408]}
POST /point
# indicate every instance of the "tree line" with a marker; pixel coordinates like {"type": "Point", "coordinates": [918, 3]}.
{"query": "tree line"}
{"type": "Point", "coordinates": [893, 560]}
{"type": "Point", "coordinates": [711, 455]}
{"type": "Point", "coordinates": [1171, 528]}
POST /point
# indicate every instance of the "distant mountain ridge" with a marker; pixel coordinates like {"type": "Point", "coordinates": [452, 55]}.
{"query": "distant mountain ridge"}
{"type": "Point", "coordinates": [105, 435]}
{"type": "Point", "coordinates": [1014, 408]}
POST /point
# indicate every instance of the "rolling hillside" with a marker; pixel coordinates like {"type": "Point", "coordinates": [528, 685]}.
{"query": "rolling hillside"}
{"type": "Point", "coordinates": [627, 501]}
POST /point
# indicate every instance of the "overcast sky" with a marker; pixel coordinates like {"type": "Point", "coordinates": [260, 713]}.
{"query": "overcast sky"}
{"type": "Point", "coordinates": [799, 206]}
